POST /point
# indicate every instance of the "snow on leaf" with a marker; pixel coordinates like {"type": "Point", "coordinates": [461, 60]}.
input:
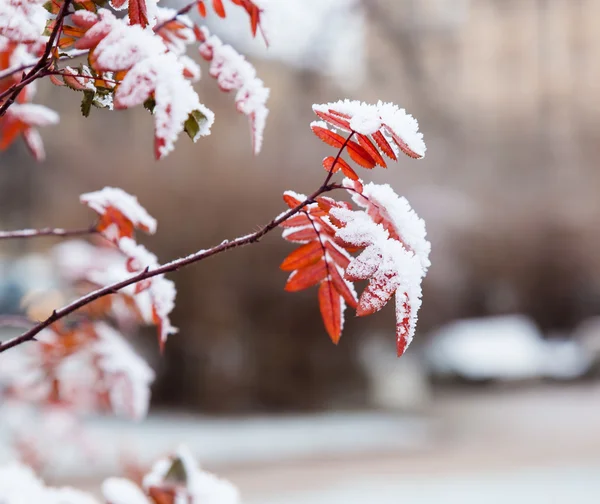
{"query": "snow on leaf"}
{"type": "Point", "coordinates": [180, 478]}
{"type": "Point", "coordinates": [395, 255]}
{"type": "Point", "coordinates": [174, 97]}
{"type": "Point", "coordinates": [125, 373]}
{"type": "Point", "coordinates": [138, 13]}
{"type": "Point", "coordinates": [177, 34]}
{"type": "Point", "coordinates": [22, 20]}
{"type": "Point", "coordinates": [392, 129]}
{"type": "Point", "coordinates": [120, 213]}
{"type": "Point", "coordinates": [234, 73]}
{"type": "Point", "coordinates": [397, 217]}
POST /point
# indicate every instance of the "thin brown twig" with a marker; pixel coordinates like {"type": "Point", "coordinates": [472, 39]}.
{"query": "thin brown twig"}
{"type": "Point", "coordinates": [38, 70]}
{"type": "Point", "coordinates": [174, 265]}
{"type": "Point", "coordinates": [34, 233]}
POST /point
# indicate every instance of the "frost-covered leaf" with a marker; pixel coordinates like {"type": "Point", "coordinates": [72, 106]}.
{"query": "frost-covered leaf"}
{"type": "Point", "coordinates": [234, 73]}
{"type": "Point", "coordinates": [120, 213]}
{"type": "Point", "coordinates": [191, 483]}
{"type": "Point", "coordinates": [395, 255]}
{"type": "Point", "coordinates": [391, 128]}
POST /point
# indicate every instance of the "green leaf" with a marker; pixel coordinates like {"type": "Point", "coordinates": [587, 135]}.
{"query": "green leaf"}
{"type": "Point", "coordinates": [47, 31]}
{"type": "Point", "coordinates": [49, 7]}
{"type": "Point", "coordinates": [149, 105]}
{"type": "Point", "coordinates": [86, 103]}
{"type": "Point", "coordinates": [193, 123]}
{"type": "Point", "coordinates": [176, 473]}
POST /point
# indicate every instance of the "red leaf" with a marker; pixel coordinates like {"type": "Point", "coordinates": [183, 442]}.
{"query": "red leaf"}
{"type": "Point", "coordinates": [328, 136]}
{"type": "Point", "coordinates": [342, 286]}
{"type": "Point", "coordinates": [359, 155]}
{"type": "Point", "coordinates": [384, 145]}
{"type": "Point", "coordinates": [376, 295]}
{"type": "Point", "coordinates": [138, 13]}
{"type": "Point", "coordinates": [254, 19]}
{"type": "Point", "coordinates": [371, 149]}
{"type": "Point", "coordinates": [339, 114]}
{"type": "Point", "coordinates": [290, 200]}
{"type": "Point", "coordinates": [301, 235]}
{"type": "Point", "coordinates": [219, 8]}
{"type": "Point", "coordinates": [331, 310]}
{"type": "Point", "coordinates": [402, 145]}
{"type": "Point", "coordinates": [9, 130]}
{"type": "Point", "coordinates": [328, 164]}
{"type": "Point", "coordinates": [339, 257]}
{"type": "Point", "coordinates": [296, 221]}
{"type": "Point", "coordinates": [306, 277]}
{"type": "Point", "coordinates": [201, 8]}
{"type": "Point", "coordinates": [334, 120]}
{"type": "Point", "coordinates": [347, 170]}
{"type": "Point", "coordinates": [303, 256]}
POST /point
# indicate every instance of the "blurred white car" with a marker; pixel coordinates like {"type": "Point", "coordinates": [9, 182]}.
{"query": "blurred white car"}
{"type": "Point", "coordinates": [506, 348]}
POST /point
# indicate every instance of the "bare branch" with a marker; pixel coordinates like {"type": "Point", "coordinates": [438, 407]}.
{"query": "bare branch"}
{"type": "Point", "coordinates": [34, 233]}
{"type": "Point", "coordinates": [176, 264]}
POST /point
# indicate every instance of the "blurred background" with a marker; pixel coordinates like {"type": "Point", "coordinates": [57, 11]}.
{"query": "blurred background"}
{"type": "Point", "coordinates": [498, 396]}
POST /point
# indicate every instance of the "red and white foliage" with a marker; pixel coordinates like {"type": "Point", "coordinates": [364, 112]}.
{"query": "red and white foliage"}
{"type": "Point", "coordinates": [81, 361]}
{"type": "Point", "coordinates": [139, 59]}
{"type": "Point", "coordinates": [22, 20]}
{"type": "Point", "coordinates": [394, 253]}
{"type": "Point", "coordinates": [120, 213]}
{"type": "Point", "coordinates": [378, 128]}
{"type": "Point", "coordinates": [322, 259]}
{"type": "Point", "coordinates": [172, 480]}
{"type": "Point", "coordinates": [86, 368]}
{"type": "Point", "coordinates": [234, 73]}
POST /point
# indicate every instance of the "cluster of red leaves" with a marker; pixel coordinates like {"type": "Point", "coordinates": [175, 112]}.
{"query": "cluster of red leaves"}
{"type": "Point", "coordinates": [254, 12]}
{"type": "Point", "coordinates": [324, 258]}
